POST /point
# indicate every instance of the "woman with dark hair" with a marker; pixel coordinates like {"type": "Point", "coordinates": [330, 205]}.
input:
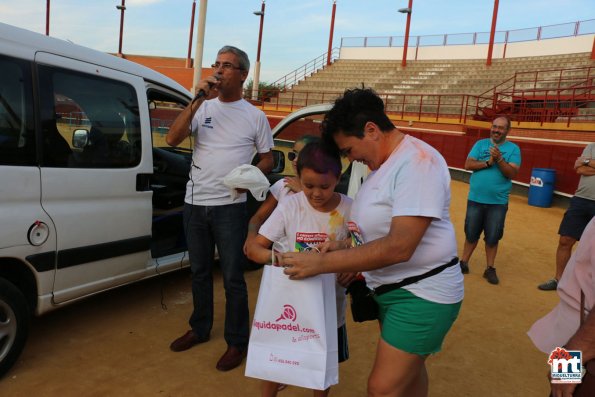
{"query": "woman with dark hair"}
{"type": "Point", "coordinates": [409, 253]}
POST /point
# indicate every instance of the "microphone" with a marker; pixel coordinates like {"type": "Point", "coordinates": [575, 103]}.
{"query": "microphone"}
{"type": "Point", "coordinates": [201, 93]}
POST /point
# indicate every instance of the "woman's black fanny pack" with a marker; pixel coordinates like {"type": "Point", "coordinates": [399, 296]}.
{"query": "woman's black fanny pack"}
{"type": "Point", "coordinates": [383, 289]}
{"type": "Point", "coordinates": [363, 305]}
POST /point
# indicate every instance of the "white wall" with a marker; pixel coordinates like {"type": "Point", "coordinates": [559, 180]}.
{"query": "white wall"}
{"type": "Point", "coordinates": [565, 45]}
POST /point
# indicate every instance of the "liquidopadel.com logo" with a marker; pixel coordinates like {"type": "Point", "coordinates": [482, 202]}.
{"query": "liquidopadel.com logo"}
{"type": "Point", "coordinates": [288, 313]}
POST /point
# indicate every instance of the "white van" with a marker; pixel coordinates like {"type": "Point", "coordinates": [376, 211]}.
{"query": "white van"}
{"type": "Point", "coordinates": [87, 203]}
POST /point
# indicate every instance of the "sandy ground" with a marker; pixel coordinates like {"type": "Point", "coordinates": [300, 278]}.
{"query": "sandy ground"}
{"type": "Point", "coordinates": [116, 344]}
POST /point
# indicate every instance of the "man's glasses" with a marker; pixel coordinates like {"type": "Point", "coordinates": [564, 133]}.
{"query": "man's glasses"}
{"type": "Point", "coordinates": [225, 66]}
{"type": "Point", "coordinates": [292, 155]}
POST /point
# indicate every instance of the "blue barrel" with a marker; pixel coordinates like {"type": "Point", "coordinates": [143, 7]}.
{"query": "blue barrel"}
{"type": "Point", "coordinates": [541, 188]}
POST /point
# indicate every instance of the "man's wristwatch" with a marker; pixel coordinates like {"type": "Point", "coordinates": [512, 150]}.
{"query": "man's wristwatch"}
{"type": "Point", "coordinates": [487, 164]}
{"type": "Point", "coordinates": [586, 162]}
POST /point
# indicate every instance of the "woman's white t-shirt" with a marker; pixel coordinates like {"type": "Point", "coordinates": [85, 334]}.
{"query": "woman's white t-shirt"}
{"type": "Point", "coordinates": [298, 227]}
{"type": "Point", "coordinates": [413, 181]}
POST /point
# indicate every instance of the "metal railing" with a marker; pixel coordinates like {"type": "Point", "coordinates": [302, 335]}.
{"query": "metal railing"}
{"type": "Point", "coordinates": [311, 67]}
{"type": "Point", "coordinates": [569, 29]}
{"type": "Point", "coordinates": [564, 104]}
{"type": "Point", "coordinates": [542, 96]}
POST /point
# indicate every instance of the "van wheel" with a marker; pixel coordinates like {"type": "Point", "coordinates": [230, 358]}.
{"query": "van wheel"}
{"type": "Point", "coordinates": [14, 324]}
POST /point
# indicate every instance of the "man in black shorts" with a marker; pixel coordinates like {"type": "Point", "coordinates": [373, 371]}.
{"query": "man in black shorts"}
{"type": "Point", "coordinates": [579, 213]}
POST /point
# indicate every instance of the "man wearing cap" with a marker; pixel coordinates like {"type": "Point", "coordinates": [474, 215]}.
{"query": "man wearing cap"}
{"type": "Point", "coordinates": [494, 162]}
{"type": "Point", "coordinates": [578, 215]}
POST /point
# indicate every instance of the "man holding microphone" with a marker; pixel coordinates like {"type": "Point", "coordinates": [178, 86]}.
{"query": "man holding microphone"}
{"type": "Point", "coordinates": [226, 131]}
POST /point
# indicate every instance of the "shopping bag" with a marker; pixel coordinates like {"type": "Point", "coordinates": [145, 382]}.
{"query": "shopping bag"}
{"type": "Point", "coordinates": [294, 332]}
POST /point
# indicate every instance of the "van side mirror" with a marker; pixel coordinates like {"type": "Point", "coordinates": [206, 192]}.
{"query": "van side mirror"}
{"type": "Point", "coordinates": [80, 138]}
{"type": "Point", "coordinates": [278, 162]}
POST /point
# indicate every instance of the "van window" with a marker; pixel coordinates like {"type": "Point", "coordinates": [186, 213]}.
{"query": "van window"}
{"type": "Point", "coordinates": [163, 110]}
{"type": "Point", "coordinates": [17, 135]}
{"type": "Point", "coordinates": [88, 121]}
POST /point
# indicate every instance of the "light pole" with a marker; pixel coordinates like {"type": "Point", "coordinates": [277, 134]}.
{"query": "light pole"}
{"type": "Point", "coordinates": [492, 34]}
{"type": "Point", "coordinates": [330, 39]}
{"type": "Point", "coordinates": [256, 80]}
{"type": "Point", "coordinates": [406, 44]}
{"type": "Point", "coordinates": [200, 41]}
{"type": "Point", "coordinates": [47, 18]}
{"type": "Point", "coordinates": [122, 8]}
{"type": "Point", "coordinates": [189, 57]}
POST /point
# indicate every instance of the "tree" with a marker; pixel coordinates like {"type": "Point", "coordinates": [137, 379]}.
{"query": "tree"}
{"type": "Point", "coordinates": [266, 91]}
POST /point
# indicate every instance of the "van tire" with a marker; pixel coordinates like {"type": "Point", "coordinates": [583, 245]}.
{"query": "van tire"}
{"type": "Point", "coordinates": [14, 324]}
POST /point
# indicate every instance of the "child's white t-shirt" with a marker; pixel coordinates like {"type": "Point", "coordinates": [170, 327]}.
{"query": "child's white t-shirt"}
{"type": "Point", "coordinates": [279, 190]}
{"type": "Point", "coordinates": [298, 227]}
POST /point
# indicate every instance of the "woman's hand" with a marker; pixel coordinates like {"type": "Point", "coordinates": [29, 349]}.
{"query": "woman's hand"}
{"type": "Point", "coordinates": [300, 265]}
{"type": "Point", "coordinates": [293, 183]}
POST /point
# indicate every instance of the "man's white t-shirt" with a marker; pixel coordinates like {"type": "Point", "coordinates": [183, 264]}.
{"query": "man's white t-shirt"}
{"type": "Point", "coordinates": [298, 227]}
{"type": "Point", "coordinates": [226, 135]}
{"type": "Point", "coordinates": [413, 181]}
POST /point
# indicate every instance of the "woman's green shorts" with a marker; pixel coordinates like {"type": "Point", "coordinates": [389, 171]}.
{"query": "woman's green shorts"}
{"type": "Point", "coordinates": [413, 324]}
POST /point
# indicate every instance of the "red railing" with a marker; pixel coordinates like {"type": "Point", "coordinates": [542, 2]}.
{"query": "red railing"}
{"type": "Point", "coordinates": [555, 95]}
{"type": "Point", "coordinates": [543, 96]}
{"type": "Point", "coordinates": [541, 105]}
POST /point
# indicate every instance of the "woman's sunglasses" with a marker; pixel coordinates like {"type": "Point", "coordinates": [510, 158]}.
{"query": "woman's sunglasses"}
{"type": "Point", "coordinates": [292, 155]}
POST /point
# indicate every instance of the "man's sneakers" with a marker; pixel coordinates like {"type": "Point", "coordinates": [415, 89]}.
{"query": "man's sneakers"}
{"type": "Point", "coordinates": [490, 275]}
{"type": "Point", "coordinates": [464, 267]}
{"type": "Point", "coordinates": [549, 285]}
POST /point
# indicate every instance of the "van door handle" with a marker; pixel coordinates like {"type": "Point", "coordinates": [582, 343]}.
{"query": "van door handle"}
{"type": "Point", "coordinates": [143, 182]}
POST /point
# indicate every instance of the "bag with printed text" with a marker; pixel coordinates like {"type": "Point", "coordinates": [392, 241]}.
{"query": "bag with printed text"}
{"type": "Point", "coordinates": [294, 332]}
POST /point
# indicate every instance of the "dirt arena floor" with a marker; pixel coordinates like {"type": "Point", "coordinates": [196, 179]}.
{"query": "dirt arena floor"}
{"type": "Point", "coordinates": [116, 344]}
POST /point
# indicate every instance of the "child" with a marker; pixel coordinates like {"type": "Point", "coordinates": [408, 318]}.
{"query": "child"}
{"type": "Point", "coordinates": [317, 211]}
{"type": "Point", "coordinates": [280, 189]}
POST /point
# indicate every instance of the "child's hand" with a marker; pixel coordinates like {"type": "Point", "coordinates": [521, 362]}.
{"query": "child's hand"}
{"type": "Point", "coordinates": [278, 258]}
{"type": "Point", "coordinates": [326, 246]}
{"type": "Point", "coordinates": [249, 240]}
{"type": "Point", "coordinates": [332, 245]}
{"type": "Point", "coordinates": [293, 184]}
{"type": "Point", "coordinates": [344, 279]}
